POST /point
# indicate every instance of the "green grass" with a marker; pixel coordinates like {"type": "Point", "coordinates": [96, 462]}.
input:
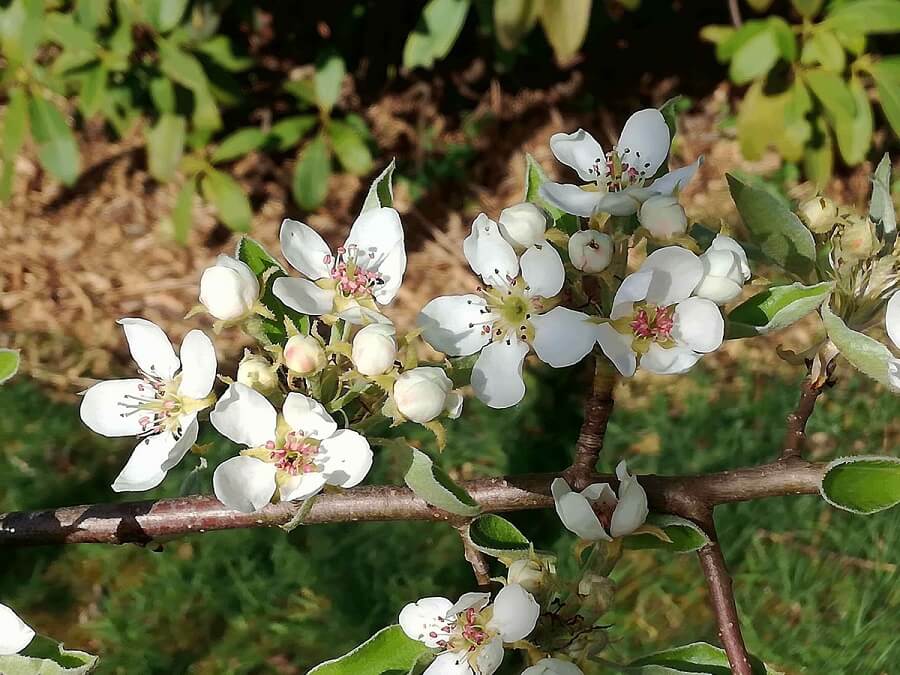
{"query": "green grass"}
{"type": "Point", "coordinates": [826, 601]}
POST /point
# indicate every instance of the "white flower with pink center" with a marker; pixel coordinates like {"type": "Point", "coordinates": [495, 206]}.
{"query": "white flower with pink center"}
{"type": "Point", "coordinates": [15, 634]}
{"type": "Point", "coordinates": [655, 320]}
{"type": "Point", "coordinates": [512, 314]}
{"type": "Point", "coordinates": [473, 631]}
{"type": "Point", "coordinates": [365, 273]}
{"type": "Point", "coordinates": [289, 456]}
{"type": "Point", "coordinates": [620, 180]}
{"type": "Point", "coordinates": [160, 407]}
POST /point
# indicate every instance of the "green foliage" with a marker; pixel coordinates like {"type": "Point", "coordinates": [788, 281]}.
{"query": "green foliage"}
{"type": "Point", "coordinates": [431, 483]}
{"type": "Point", "coordinates": [863, 485]}
{"type": "Point", "coordinates": [864, 353]}
{"type": "Point", "coordinates": [389, 650]}
{"type": "Point", "coordinates": [9, 364]}
{"type": "Point", "coordinates": [775, 308]}
{"type": "Point", "coordinates": [699, 657]}
{"type": "Point", "coordinates": [496, 536]}
{"type": "Point", "coordinates": [46, 657]}
{"type": "Point", "coordinates": [684, 535]}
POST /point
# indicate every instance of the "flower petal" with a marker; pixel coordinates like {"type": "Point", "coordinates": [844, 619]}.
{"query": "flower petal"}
{"type": "Point", "coordinates": [153, 457]}
{"type": "Point", "coordinates": [346, 458]}
{"type": "Point", "coordinates": [301, 486]}
{"type": "Point", "coordinates": [305, 249]}
{"type": "Point", "coordinates": [450, 663]}
{"type": "Point", "coordinates": [892, 319]}
{"type": "Point", "coordinates": [617, 348]}
{"type": "Point", "coordinates": [672, 361]}
{"type": "Point", "coordinates": [497, 375]}
{"type": "Point", "coordinates": [571, 198]}
{"type": "Point", "coordinates": [490, 256]}
{"type": "Point", "coordinates": [15, 634]}
{"type": "Point", "coordinates": [676, 180]}
{"type": "Point", "coordinates": [363, 316]}
{"type": "Point", "coordinates": [562, 336]}
{"type": "Point", "coordinates": [452, 324]}
{"type": "Point", "coordinates": [424, 620]}
{"type": "Point", "coordinates": [471, 600]}
{"type": "Point", "coordinates": [631, 511]}
{"type": "Point", "coordinates": [378, 229]}
{"type": "Point", "coordinates": [633, 289]}
{"type": "Point", "coordinates": [600, 494]}
{"type": "Point", "coordinates": [552, 666]}
{"type": "Point", "coordinates": [308, 416]}
{"type": "Point", "coordinates": [489, 656]}
{"type": "Point", "coordinates": [198, 369]}
{"type": "Point", "coordinates": [189, 430]}
{"type": "Point", "coordinates": [644, 143]}
{"type": "Point", "coordinates": [580, 151]}
{"type": "Point", "coordinates": [542, 270]}
{"type": "Point", "coordinates": [244, 484]}
{"type": "Point", "coordinates": [575, 512]}
{"type": "Point", "coordinates": [239, 266]}
{"type": "Point", "coordinates": [245, 416]}
{"type": "Point", "coordinates": [108, 408]}
{"type": "Point", "coordinates": [515, 613]}
{"type": "Point", "coordinates": [698, 325]}
{"type": "Point", "coordinates": [676, 273]}
{"type": "Point", "coordinates": [150, 348]}
{"type": "Point", "coordinates": [454, 405]}
{"type": "Point", "coordinates": [391, 268]}
{"type": "Point", "coordinates": [303, 295]}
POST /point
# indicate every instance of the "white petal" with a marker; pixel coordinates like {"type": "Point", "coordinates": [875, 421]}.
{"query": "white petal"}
{"type": "Point", "coordinates": [391, 267]}
{"type": "Point", "coordinates": [571, 198]}
{"type": "Point", "coordinates": [425, 620]}
{"type": "Point", "coordinates": [633, 289]}
{"type": "Point", "coordinates": [497, 375]}
{"type": "Point", "coordinates": [198, 369]}
{"type": "Point", "coordinates": [600, 494]}
{"type": "Point", "coordinates": [450, 663]}
{"type": "Point", "coordinates": [672, 361]}
{"type": "Point", "coordinates": [471, 600]}
{"type": "Point", "coordinates": [363, 316]}
{"type": "Point", "coordinates": [543, 271]}
{"type": "Point", "coordinates": [676, 180]}
{"type": "Point", "coordinates": [725, 243]}
{"type": "Point", "coordinates": [515, 613]}
{"type": "Point", "coordinates": [698, 325]}
{"type": "Point", "coordinates": [631, 511]}
{"type": "Point", "coordinates": [189, 430]}
{"type": "Point", "coordinates": [302, 486]}
{"type": "Point", "coordinates": [553, 667]}
{"type": "Point", "coordinates": [153, 457]}
{"type": "Point", "coordinates": [454, 405]}
{"type": "Point", "coordinates": [107, 408]}
{"type": "Point", "coordinates": [617, 348]}
{"type": "Point", "coordinates": [239, 266]}
{"type": "Point", "coordinates": [378, 229]}
{"type": "Point", "coordinates": [892, 319]}
{"type": "Point", "coordinates": [894, 373]}
{"type": "Point", "coordinates": [575, 512]}
{"type": "Point", "coordinates": [562, 336]}
{"type": "Point", "coordinates": [150, 348]}
{"type": "Point", "coordinates": [489, 656]}
{"type": "Point", "coordinates": [15, 634]}
{"type": "Point", "coordinates": [644, 143]}
{"type": "Point", "coordinates": [305, 249]}
{"type": "Point", "coordinates": [303, 295]}
{"type": "Point", "coordinates": [580, 151]}
{"type": "Point", "coordinates": [452, 324]}
{"type": "Point", "coordinates": [346, 458]}
{"type": "Point", "coordinates": [676, 273]}
{"type": "Point", "coordinates": [244, 484]}
{"type": "Point", "coordinates": [245, 416]}
{"type": "Point", "coordinates": [308, 416]}
{"type": "Point", "coordinates": [489, 255]}
{"type": "Point", "coordinates": [623, 203]}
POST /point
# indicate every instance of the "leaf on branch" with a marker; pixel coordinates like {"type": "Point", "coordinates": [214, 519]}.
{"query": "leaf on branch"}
{"type": "Point", "coordinates": [431, 483]}
{"type": "Point", "coordinates": [863, 484]}
{"type": "Point", "coordinates": [698, 657]}
{"type": "Point", "coordinates": [389, 650]}
{"type": "Point", "coordinates": [9, 364]}
{"type": "Point", "coordinates": [47, 657]}
{"type": "Point", "coordinates": [381, 192]}
{"type": "Point", "coordinates": [881, 206]}
{"type": "Point", "coordinates": [775, 308]}
{"type": "Point", "coordinates": [534, 178]}
{"type": "Point", "coordinates": [866, 354]}
{"type": "Point", "coordinates": [684, 535]}
{"type": "Point", "coordinates": [496, 536]}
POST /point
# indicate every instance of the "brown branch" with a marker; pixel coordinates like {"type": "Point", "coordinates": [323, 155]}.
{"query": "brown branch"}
{"type": "Point", "coordinates": [146, 521]}
{"type": "Point", "coordinates": [795, 435]}
{"type": "Point", "coordinates": [735, 11]}
{"type": "Point", "coordinates": [598, 406]}
{"type": "Point", "coordinates": [721, 596]}
{"type": "Point", "coordinates": [476, 559]}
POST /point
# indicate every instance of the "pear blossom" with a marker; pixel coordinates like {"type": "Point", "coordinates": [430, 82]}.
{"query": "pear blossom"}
{"type": "Point", "coordinates": [365, 274]}
{"type": "Point", "coordinates": [725, 271]}
{"type": "Point", "coordinates": [304, 355]}
{"type": "Point", "coordinates": [473, 631]}
{"type": "Point", "coordinates": [160, 407]}
{"type": "Point", "coordinates": [512, 314]}
{"type": "Point", "coordinates": [663, 217]}
{"type": "Point", "coordinates": [595, 513]}
{"type": "Point", "coordinates": [257, 372]}
{"type": "Point", "coordinates": [590, 251]}
{"type": "Point", "coordinates": [422, 394]}
{"type": "Point", "coordinates": [620, 180]}
{"type": "Point", "coordinates": [292, 455]}
{"type": "Point", "coordinates": [892, 326]}
{"type": "Point", "coordinates": [655, 318]}
{"type": "Point", "coordinates": [374, 349]}
{"type": "Point", "coordinates": [523, 225]}
{"type": "Point", "coordinates": [819, 214]}
{"type": "Point", "coordinates": [553, 667]}
{"type": "Point", "coordinates": [15, 634]}
{"type": "Point", "coordinates": [229, 289]}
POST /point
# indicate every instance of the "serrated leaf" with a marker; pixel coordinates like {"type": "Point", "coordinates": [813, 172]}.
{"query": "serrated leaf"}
{"type": "Point", "coordinates": [165, 146]}
{"type": "Point", "coordinates": [513, 20]}
{"type": "Point", "coordinates": [686, 536]}
{"type": "Point", "coordinates": [496, 536]}
{"type": "Point", "coordinates": [866, 354]}
{"type": "Point", "coordinates": [388, 650]}
{"type": "Point", "coordinates": [866, 16]}
{"type": "Point", "coordinates": [881, 206]}
{"type": "Point", "coordinates": [350, 148]}
{"type": "Point", "coordinates": [854, 134]}
{"type": "Point", "coordinates": [232, 205]}
{"type": "Point", "coordinates": [44, 656]}
{"type": "Point", "coordinates": [327, 81]}
{"type": "Point", "coordinates": [775, 308]}
{"type": "Point", "coordinates": [381, 191]}
{"type": "Point", "coordinates": [255, 256]}
{"type": "Point", "coordinates": [12, 136]}
{"type": "Point", "coordinates": [435, 33]}
{"type": "Point", "coordinates": [9, 364]}
{"type": "Point", "coordinates": [431, 483]}
{"type": "Point", "coordinates": [56, 144]}
{"type": "Point", "coordinates": [534, 178]}
{"type": "Point", "coordinates": [310, 184]}
{"type": "Point", "coordinates": [238, 144]}
{"type": "Point", "coordinates": [755, 57]}
{"type": "Point", "coordinates": [698, 657]}
{"type": "Point", "coordinates": [863, 484]}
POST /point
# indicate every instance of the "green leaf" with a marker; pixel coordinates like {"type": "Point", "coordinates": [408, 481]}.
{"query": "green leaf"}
{"type": "Point", "coordinates": [9, 364]}
{"type": "Point", "coordinates": [164, 15]}
{"type": "Point", "coordinates": [496, 536]}
{"type": "Point", "coordinates": [775, 308]}
{"type": "Point", "coordinates": [389, 650]}
{"type": "Point", "coordinates": [431, 483]}
{"type": "Point", "coordinates": [182, 212]}
{"type": "Point", "coordinates": [92, 13]}
{"type": "Point", "coordinates": [823, 48]}
{"type": "Point", "coordinates": [716, 33]}
{"type": "Point", "coordinates": [21, 25]}
{"type": "Point", "coordinates": [330, 73]}
{"type": "Point", "coordinates": [698, 657]}
{"type": "Point", "coordinates": [886, 74]}
{"type": "Point", "coordinates": [57, 148]}
{"type": "Point", "coordinates": [435, 33]}
{"type": "Point", "coordinates": [566, 23]}
{"type": "Point", "coordinates": [881, 206]}
{"type": "Point", "coordinates": [220, 50]}
{"type": "Point", "coordinates": [818, 156]}
{"type": "Point", "coordinates": [779, 233]}
{"type": "Point", "coordinates": [287, 132]}
{"type": "Point", "coordinates": [862, 484]}
{"type": "Point", "coordinates": [866, 16]}
{"type": "Point", "coordinates": [310, 183]}
{"type": "Point", "coordinates": [238, 144]}
{"type": "Point", "coordinates": [513, 20]}
{"type": "Point", "coordinates": [93, 90]}
{"type": "Point", "coordinates": [727, 48]}
{"type": "Point", "coordinates": [381, 191]}
{"type": "Point", "coordinates": [44, 656]}
{"type": "Point", "coordinates": [165, 146]}
{"type": "Point", "coordinates": [62, 29]}
{"type": "Point", "coordinates": [223, 192]}
{"type": "Point", "coordinates": [854, 135]}
{"type": "Point", "coordinates": [807, 8]}
{"type": "Point", "coordinates": [12, 136]}
{"type": "Point", "coordinates": [866, 354]}
{"type": "Point", "coordinates": [187, 71]}
{"type": "Point", "coordinates": [534, 178]}
{"type": "Point", "coordinates": [784, 38]}
{"type": "Point", "coordinates": [256, 257]}
{"type": "Point", "coordinates": [755, 57]}
{"type": "Point", "coordinates": [350, 148]}
{"type": "Point", "coordinates": [686, 535]}
{"type": "Point", "coordinates": [833, 92]}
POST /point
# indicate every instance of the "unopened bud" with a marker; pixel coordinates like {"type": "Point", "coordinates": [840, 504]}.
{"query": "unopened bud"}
{"type": "Point", "coordinates": [590, 251]}
{"type": "Point", "coordinates": [528, 573]}
{"type": "Point", "coordinates": [374, 349]}
{"type": "Point", "coordinates": [228, 289]}
{"type": "Point", "coordinates": [819, 214]}
{"type": "Point", "coordinates": [422, 394]}
{"type": "Point", "coordinates": [523, 225]}
{"type": "Point", "coordinates": [725, 270]}
{"type": "Point", "coordinates": [663, 217]}
{"type": "Point", "coordinates": [257, 373]}
{"type": "Point", "coordinates": [858, 240]}
{"type": "Point", "coordinates": [304, 355]}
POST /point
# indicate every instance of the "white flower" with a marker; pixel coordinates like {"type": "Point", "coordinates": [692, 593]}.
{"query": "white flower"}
{"type": "Point", "coordinates": [15, 634]}
{"type": "Point", "coordinates": [229, 289]}
{"type": "Point", "coordinates": [622, 179]}
{"type": "Point", "coordinates": [507, 318]}
{"type": "Point", "coordinates": [365, 273]}
{"type": "Point", "coordinates": [590, 251]}
{"type": "Point", "coordinates": [294, 455]}
{"type": "Point", "coordinates": [523, 225]}
{"type": "Point", "coordinates": [472, 631]}
{"type": "Point", "coordinates": [423, 393]}
{"type": "Point", "coordinates": [374, 349]}
{"type": "Point", "coordinates": [553, 667]}
{"type": "Point", "coordinates": [654, 317]}
{"type": "Point", "coordinates": [596, 513]}
{"type": "Point", "coordinates": [725, 270]}
{"type": "Point", "coordinates": [663, 217]}
{"type": "Point", "coordinates": [257, 373]}
{"type": "Point", "coordinates": [304, 355]}
{"type": "Point", "coordinates": [892, 325]}
{"type": "Point", "coordinates": [160, 407]}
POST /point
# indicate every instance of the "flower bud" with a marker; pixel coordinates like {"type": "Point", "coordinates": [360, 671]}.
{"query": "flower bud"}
{"type": "Point", "coordinates": [523, 225]}
{"type": "Point", "coordinates": [819, 214]}
{"type": "Point", "coordinates": [257, 373]}
{"type": "Point", "coordinates": [528, 573]}
{"type": "Point", "coordinates": [421, 394]}
{"type": "Point", "coordinates": [374, 349]}
{"type": "Point", "coordinates": [663, 217]}
{"type": "Point", "coordinates": [228, 289]}
{"type": "Point", "coordinates": [725, 269]}
{"type": "Point", "coordinates": [596, 593]}
{"type": "Point", "coordinates": [304, 355]}
{"type": "Point", "coordinates": [858, 238]}
{"type": "Point", "coordinates": [590, 251]}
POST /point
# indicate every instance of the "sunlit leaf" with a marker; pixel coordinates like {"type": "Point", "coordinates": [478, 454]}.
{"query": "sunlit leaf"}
{"type": "Point", "coordinates": [685, 535]}
{"type": "Point", "coordinates": [864, 353]}
{"type": "Point", "coordinates": [47, 657]}
{"type": "Point", "coordinates": [310, 184]}
{"type": "Point", "coordinates": [431, 483]}
{"type": "Point", "coordinates": [350, 148]}
{"type": "Point", "coordinates": [238, 144]}
{"type": "Point", "coordinates": [232, 205]}
{"type": "Point", "coordinates": [698, 657]}
{"type": "Point", "coordinates": [165, 146]}
{"type": "Point", "coordinates": [496, 536]}
{"type": "Point", "coordinates": [514, 19]}
{"type": "Point", "coordinates": [56, 144]}
{"type": "Point", "coordinates": [866, 16]}
{"type": "Point", "coordinates": [863, 484]}
{"type": "Point", "coordinates": [9, 364]}
{"type": "Point", "coordinates": [775, 308]}
{"type": "Point", "coordinates": [388, 651]}
{"type": "Point", "coordinates": [435, 33]}
{"type": "Point", "coordinates": [330, 73]}
{"type": "Point", "coordinates": [566, 24]}
{"type": "Point", "coordinates": [12, 136]}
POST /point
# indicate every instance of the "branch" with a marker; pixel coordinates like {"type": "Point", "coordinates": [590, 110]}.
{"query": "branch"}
{"type": "Point", "coordinates": [598, 407]}
{"type": "Point", "coordinates": [795, 435]}
{"type": "Point", "coordinates": [146, 521]}
{"type": "Point", "coordinates": [735, 11]}
{"type": "Point", "coordinates": [476, 559]}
